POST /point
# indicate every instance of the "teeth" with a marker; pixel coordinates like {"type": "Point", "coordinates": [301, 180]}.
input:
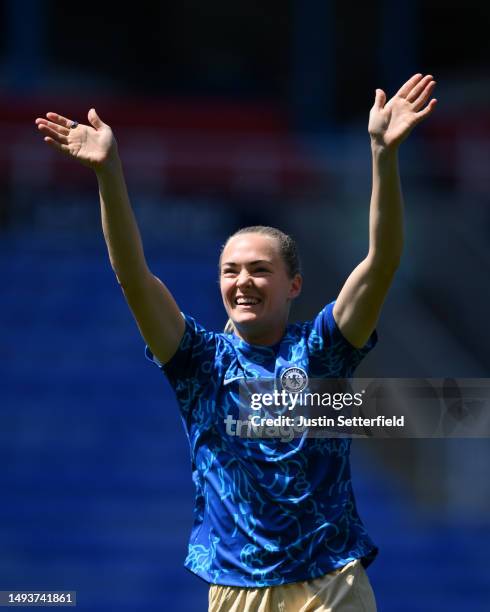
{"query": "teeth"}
{"type": "Point", "coordinates": [246, 300]}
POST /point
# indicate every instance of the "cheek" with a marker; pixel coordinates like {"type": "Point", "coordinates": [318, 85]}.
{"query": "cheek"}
{"type": "Point", "coordinates": [225, 288]}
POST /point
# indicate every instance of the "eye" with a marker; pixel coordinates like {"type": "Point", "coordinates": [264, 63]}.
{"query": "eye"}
{"type": "Point", "coordinates": [228, 272]}
{"type": "Point", "coordinates": [261, 270]}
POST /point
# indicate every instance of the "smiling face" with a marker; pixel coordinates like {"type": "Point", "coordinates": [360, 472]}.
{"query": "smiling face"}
{"type": "Point", "coordinates": [256, 288]}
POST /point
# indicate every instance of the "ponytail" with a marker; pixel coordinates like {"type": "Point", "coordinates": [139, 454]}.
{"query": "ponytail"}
{"type": "Point", "coordinates": [229, 328]}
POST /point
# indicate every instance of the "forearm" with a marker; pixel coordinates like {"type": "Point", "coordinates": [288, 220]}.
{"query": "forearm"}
{"type": "Point", "coordinates": [386, 209]}
{"type": "Point", "coordinates": [119, 225]}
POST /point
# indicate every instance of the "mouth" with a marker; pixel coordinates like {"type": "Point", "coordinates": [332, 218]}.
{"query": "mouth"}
{"type": "Point", "coordinates": [246, 300]}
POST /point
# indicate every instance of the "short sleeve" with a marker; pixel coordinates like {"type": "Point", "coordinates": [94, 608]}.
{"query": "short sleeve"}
{"type": "Point", "coordinates": [193, 362]}
{"type": "Point", "coordinates": [343, 357]}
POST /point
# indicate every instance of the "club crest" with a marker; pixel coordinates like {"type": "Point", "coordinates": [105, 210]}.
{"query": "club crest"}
{"type": "Point", "coordinates": [294, 379]}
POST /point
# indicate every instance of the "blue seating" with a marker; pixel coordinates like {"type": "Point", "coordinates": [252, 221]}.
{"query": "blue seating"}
{"type": "Point", "coordinates": [96, 480]}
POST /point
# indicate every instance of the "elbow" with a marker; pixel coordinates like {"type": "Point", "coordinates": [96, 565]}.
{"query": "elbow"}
{"type": "Point", "coordinates": [393, 265]}
{"type": "Point", "coordinates": [121, 280]}
{"type": "Point", "coordinates": [385, 265]}
{"type": "Point", "coordinates": [133, 280]}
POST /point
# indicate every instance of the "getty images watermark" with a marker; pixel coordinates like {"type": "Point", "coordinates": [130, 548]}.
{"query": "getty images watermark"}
{"type": "Point", "coordinates": [295, 405]}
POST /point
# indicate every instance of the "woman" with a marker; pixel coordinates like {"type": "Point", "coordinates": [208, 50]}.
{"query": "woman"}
{"type": "Point", "coordinates": [276, 526]}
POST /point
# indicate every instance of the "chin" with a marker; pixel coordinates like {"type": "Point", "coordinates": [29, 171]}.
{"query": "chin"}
{"type": "Point", "coordinates": [246, 323]}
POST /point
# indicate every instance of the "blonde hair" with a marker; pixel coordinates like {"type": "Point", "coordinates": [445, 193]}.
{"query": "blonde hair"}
{"type": "Point", "coordinates": [287, 249]}
{"type": "Point", "coordinates": [229, 327]}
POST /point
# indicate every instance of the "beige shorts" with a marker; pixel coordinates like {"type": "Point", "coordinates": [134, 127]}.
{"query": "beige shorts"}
{"type": "Point", "coordinates": [343, 590]}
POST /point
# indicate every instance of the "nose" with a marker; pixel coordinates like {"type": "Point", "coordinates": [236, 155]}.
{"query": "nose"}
{"type": "Point", "coordinates": [243, 278]}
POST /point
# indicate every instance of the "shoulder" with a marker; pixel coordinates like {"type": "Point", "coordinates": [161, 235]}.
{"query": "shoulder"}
{"type": "Point", "coordinates": [196, 331]}
{"type": "Point", "coordinates": [197, 346]}
{"type": "Point", "coordinates": [325, 341]}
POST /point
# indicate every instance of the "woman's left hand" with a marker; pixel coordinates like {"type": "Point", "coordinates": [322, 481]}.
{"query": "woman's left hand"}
{"type": "Point", "coordinates": [391, 122]}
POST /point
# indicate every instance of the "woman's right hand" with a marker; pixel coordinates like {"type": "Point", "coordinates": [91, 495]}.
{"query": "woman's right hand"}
{"type": "Point", "coordinates": [92, 145]}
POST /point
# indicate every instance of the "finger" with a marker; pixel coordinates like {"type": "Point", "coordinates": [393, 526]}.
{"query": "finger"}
{"type": "Point", "coordinates": [54, 126]}
{"type": "Point", "coordinates": [415, 92]}
{"type": "Point", "coordinates": [59, 119]}
{"type": "Point", "coordinates": [424, 96]}
{"type": "Point", "coordinates": [380, 99]}
{"type": "Point", "coordinates": [94, 119]}
{"type": "Point", "coordinates": [427, 110]}
{"type": "Point", "coordinates": [407, 87]}
{"type": "Point", "coordinates": [53, 134]}
{"type": "Point", "coordinates": [56, 145]}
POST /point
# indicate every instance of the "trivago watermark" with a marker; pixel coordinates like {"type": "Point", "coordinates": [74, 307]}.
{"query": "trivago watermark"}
{"type": "Point", "coordinates": [295, 405]}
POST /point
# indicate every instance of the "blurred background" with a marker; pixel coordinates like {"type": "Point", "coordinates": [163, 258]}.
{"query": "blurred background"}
{"type": "Point", "coordinates": [230, 114]}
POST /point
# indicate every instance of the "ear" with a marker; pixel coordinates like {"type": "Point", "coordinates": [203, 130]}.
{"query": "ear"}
{"type": "Point", "coordinates": [295, 288]}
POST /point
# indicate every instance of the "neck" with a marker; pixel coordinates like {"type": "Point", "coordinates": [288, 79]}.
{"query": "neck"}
{"type": "Point", "coordinates": [267, 337]}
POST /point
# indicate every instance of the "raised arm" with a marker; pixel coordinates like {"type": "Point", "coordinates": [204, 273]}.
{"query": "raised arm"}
{"type": "Point", "coordinates": [359, 303]}
{"type": "Point", "coordinates": [158, 317]}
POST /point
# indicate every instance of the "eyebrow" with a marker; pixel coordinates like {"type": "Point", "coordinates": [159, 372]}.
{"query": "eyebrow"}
{"type": "Point", "coordinates": [250, 263]}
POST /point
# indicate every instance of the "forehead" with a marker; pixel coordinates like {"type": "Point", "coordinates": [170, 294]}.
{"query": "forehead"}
{"type": "Point", "coordinates": [250, 247]}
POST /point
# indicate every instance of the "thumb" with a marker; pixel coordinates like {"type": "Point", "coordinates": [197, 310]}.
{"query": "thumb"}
{"type": "Point", "coordinates": [380, 98]}
{"type": "Point", "coordinates": [94, 119]}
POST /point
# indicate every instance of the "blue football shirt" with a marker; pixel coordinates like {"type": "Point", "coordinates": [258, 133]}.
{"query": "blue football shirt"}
{"type": "Point", "coordinates": [267, 511]}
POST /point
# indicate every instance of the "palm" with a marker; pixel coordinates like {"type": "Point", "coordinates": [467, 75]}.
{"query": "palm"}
{"type": "Point", "coordinates": [92, 146]}
{"type": "Point", "coordinates": [89, 145]}
{"type": "Point", "coordinates": [391, 122]}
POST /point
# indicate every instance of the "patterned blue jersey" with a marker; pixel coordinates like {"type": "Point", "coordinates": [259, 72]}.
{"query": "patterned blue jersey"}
{"type": "Point", "coordinates": [267, 511]}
